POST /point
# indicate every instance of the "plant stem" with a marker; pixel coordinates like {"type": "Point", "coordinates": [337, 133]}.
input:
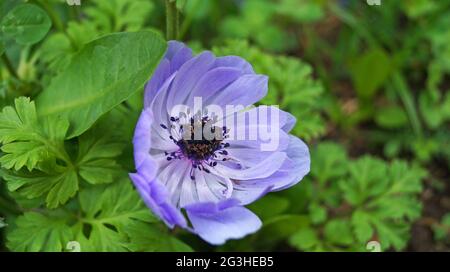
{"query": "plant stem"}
{"type": "Point", "coordinates": [408, 102]}
{"type": "Point", "coordinates": [172, 20]}
{"type": "Point", "coordinates": [56, 21]}
{"type": "Point", "coordinates": [9, 66]}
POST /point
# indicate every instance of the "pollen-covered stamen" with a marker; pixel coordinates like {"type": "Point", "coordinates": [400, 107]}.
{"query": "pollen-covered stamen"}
{"type": "Point", "coordinates": [202, 150]}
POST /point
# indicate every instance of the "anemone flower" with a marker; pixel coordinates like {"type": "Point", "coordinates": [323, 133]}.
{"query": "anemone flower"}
{"type": "Point", "coordinates": [199, 165]}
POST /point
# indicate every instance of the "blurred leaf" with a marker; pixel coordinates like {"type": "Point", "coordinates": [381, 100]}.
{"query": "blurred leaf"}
{"type": "Point", "coordinates": [442, 230]}
{"type": "Point", "coordinates": [391, 117]}
{"type": "Point", "coordinates": [329, 161]}
{"type": "Point", "coordinates": [370, 71]}
{"type": "Point", "coordinates": [304, 239]}
{"type": "Point", "coordinates": [281, 227]}
{"type": "Point", "coordinates": [302, 11]}
{"type": "Point", "coordinates": [269, 206]}
{"type": "Point", "coordinates": [119, 15]}
{"type": "Point", "coordinates": [338, 231]}
{"type": "Point", "coordinates": [26, 23]}
{"type": "Point", "coordinates": [361, 224]}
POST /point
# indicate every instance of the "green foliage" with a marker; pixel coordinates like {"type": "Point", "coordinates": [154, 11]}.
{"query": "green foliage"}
{"type": "Point", "coordinates": [262, 22]}
{"type": "Point", "coordinates": [369, 72]}
{"type": "Point", "coordinates": [106, 219]}
{"type": "Point", "coordinates": [121, 64]}
{"type": "Point", "coordinates": [26, 142]}
{"type": "Point", "coordinates": [357, 201]}
{"type": "Point", "coordinates": [442, 229]}
{"type": "Point", "coordinates": [71, 93]}
{"type": "Point", "coordinates": [297, 94]}
{"type": "Point", "coordinates": [26, 23]}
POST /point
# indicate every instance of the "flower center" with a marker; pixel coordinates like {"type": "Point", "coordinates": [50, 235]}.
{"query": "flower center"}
{"type": "Point", "coordinates": [198, 140]}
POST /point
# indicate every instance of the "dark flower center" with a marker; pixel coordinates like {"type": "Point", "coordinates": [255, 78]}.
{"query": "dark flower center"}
{"type": "Point", "coordinates": [199, 141]}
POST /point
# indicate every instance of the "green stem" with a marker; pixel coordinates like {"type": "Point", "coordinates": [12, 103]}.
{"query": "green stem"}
{"type": "Point", "coordinates": [172, 20]}
{"type": "Point", "coordinates": [408, 102]}
{"type": "Point", "coordinates": [9, 66]}
{"type": "Point", "coordinates": [57, 22]}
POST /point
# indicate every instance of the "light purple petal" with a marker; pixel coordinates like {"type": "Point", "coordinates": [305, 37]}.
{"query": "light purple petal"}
{"type": "Point", "coordinates": [246, 91]}
{"type": "Point", "coordinates": [262, 170]}
{"type": "Point", "coordinates": [187, 77]}
{"type": "Point", "coordinates": [141, 139]}
{"type": "Point", "coordinates": [213, 81]}
{"type": "Point", "coordinates": [176, 55]}
{"type": "Point", "coordinates": [235, 62]}
{"type": "Point", "coordinates": [155, 197]}
{"type": "Point", "coordinates": [218, 222]}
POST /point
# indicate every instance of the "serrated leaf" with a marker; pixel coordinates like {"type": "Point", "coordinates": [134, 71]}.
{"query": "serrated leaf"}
{"type": "Point", "coordinates": [108, 211]}
{"type": "Point", "coordinates": [57, 187]}
{"type": "Point", "coordinates": [121, 63]}
{"type": "Point", "coordinates": [118, 15]}
{"type": "Point", "coordinates": [304, 239]}
{"type": "Point", "coordinates": [146, 237]}
{"type": "Point", "coordinates": [339, 232]}
{"type": "Point", "coordinates": [27, 142]}
{"type": "Point", "coordinates": [330, 161]}
{"type": "Point", "coordinates": [361, 226]}
{"type": "Point", "coordinates": [37, 232]}
{"type": "Point", "coordinates": [97, 151]}
{"type": "Point", "coordinates": [368, 177]}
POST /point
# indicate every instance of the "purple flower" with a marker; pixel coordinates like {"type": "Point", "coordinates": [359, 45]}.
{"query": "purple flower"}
{"type": "Point", "coordinates": [212, 179]}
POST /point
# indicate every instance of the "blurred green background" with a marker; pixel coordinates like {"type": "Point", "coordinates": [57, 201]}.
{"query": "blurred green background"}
{"type": "Point", "coordinates": [369, 87]}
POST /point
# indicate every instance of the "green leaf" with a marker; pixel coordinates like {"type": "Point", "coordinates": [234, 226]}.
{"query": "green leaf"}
{"type": "Point", "coordinates": [57, 186]}
{"type": "Point", "coordinates": [26, 23]}
{"type": "Point", "coordinates": [97, 151]}
{"type": "Point", "coordinates": [303, 11]}
{"type": "Point", "coordinates": [107, 211]}
{"type": "Point", "coordinates": [338, 231]}
{"type": "Point", "coordinates": [27, 142]}
{"type": "Point", "coordinates": [37, 232]}
{"type": "Point", "coordinates": [391, 117]}
{"type": "Point", "coordinates": [121, 63]}
{"type": "Point", "coordinates": [442, 229]}
{"type": "Point", "coordinates": [281, 227]}
{"type": "Point", "coordinates": [146, 237]}
{"type": "Point", "coordinates": [369, 72]}
{"type": "Point", "coordinates": [118, 15]}
{"type": "Point", "coordinates": [269, 206]}
{"type": "Point", "coordinates": [368, 177]}
{"type": "Point", "coordinates": [105, 218]}
{"type": "Point", "coordinates": [317, 213]}
{"type": "Point", "coordinates": [304, 239]}
{"type": "Point", "coordinates": [330, 161]}
{"type": "Point", "coordinates": [361, 226]}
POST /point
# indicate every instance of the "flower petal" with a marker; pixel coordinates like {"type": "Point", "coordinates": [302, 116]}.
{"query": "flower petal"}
{"type": "Point", "coordinates": [218, 222]}
{"type": "Point", "coordinates": [235, 62]}
{"type": "Point", "coordinates": [186, 78]}
{"type": "Point", "coordinates": [246, 91]}
{"type": "Point", "coordinates": [155, 197]}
